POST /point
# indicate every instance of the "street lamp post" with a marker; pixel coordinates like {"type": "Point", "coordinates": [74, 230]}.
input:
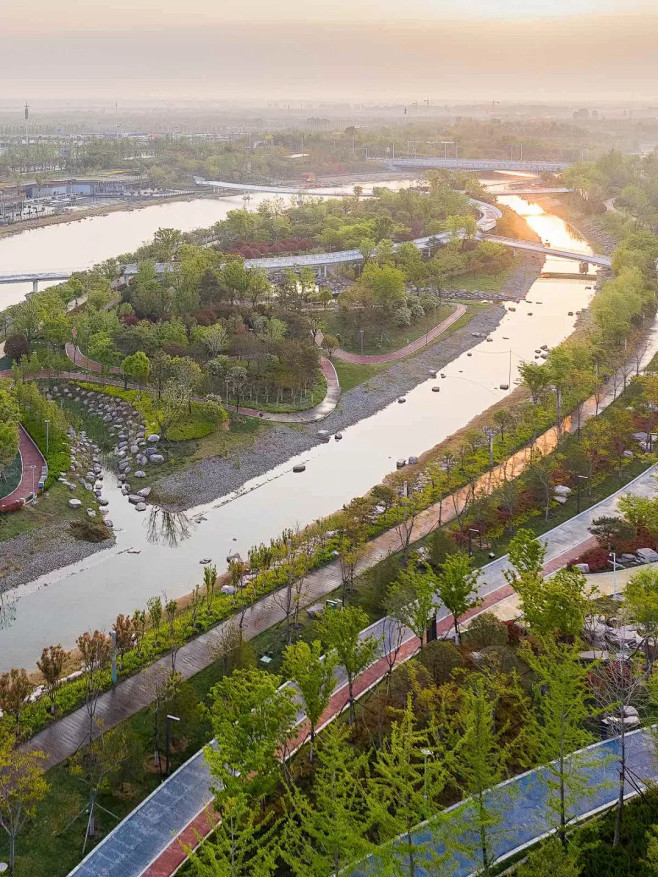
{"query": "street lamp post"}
{"type": "Point", "coordinates": [579, 479]}
{"type": "Point", "coordinates": [427, 753]}
{"type": "Point", "coordinates": [33, 468]}
{"type": "Point", "coordinates": [361, 333]}
{"type": "Point", "coordinates": [472, 530]}
{"type": "Point", "coordinates": [47, 422]}
{"type": "Point", "coordinates": [615, 595]}
{"type": "Point", "coordinates": [170, 719]}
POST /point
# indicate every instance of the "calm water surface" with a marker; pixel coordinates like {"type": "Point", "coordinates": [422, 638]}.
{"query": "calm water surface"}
{"type": "Point", "coordinates": [59, 606]}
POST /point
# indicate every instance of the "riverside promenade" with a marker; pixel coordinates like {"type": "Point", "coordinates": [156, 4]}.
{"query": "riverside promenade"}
{"type": "Point", "coordinates": [147, 841]}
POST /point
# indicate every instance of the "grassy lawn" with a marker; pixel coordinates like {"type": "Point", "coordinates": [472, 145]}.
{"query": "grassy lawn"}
{"type": "Point", "coordinates": [393, 338]}
{"type": "Point", "coordinates": [51, 508]}
{"type": "Point", "coordinates": [351, 375]}
{"type": "Point", "coordinates": [492, 283]}
{"type": "Point", "coordinates": [11, 478]}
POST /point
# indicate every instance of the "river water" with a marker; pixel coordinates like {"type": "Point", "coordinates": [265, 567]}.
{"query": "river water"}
{"type": "Point", "coordinates": [57, 607]}
{"type": "Point", "coordinates": [82, 243]}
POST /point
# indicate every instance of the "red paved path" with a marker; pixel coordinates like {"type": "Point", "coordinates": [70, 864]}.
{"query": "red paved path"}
{"type": "Point", "coordinates": [30, 456]}
{"type": "Point", "coordinates": [201, 826]}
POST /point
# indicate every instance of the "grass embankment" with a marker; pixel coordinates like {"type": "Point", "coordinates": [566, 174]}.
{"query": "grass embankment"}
{"type": "Point", "coordinates": [50, 511]}
{"type": "Point", "coordinates": [386, 341]}
{"type": "Point", "coordinates": [351, 375]}
{"type": "Point", "coordinates": [55, 851]}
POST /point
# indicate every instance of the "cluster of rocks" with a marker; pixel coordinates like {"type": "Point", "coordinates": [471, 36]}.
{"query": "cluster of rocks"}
{"type": "Point", "coordinates": [87, 472]}
{"type": "Point", "coordinates": [134, 449]}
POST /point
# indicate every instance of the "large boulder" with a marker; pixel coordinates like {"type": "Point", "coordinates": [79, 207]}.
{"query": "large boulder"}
{"type": "Point", "coordinates": [153, 438]}
{"type": "Point", "coordinates": [75, 504]}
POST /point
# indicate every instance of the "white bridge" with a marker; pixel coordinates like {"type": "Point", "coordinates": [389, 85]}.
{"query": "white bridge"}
{"type": "Point", "coordinates": [34, 279]}
{"type": "Point", "coordinates": [480, 164]}
{"type": "Point", "coordinates": [489, 215]}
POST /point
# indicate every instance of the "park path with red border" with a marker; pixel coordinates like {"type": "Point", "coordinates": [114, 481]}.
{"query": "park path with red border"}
{"type": "Point", "coordinates": [173, 856]}
{"type": "Point", "coordinates": [30, 456]}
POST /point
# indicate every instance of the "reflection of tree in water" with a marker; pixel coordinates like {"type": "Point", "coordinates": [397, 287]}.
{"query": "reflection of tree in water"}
{"type": "Point", "coordinates": [7, 610]}
{"type": "Point", "coordinates": [167, 528]}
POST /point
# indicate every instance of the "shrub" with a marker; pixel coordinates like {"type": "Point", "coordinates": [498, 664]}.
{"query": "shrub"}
{"type": "Point", "coordinates": [16, 347]}
{"type": "Point", "coordinates": [90, 530]}
{"type": "Point", "coordinates": [440, 658]}
{"type": "Point", "coordinates": [485, 630]}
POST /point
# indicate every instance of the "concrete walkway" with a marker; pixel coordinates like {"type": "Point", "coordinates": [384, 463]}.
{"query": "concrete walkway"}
{"type": "Point", "coordinates": [522, 809]}
{"type": "Point", "coordinates": [147, 841]}
{"type": "Point", "coordinates": [30, 456]}
{"type": "Point", "coordinates": [413, 347]}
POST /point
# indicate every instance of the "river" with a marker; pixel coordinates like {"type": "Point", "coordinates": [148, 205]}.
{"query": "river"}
{"type": "Point", "coordinates": [57, 607]}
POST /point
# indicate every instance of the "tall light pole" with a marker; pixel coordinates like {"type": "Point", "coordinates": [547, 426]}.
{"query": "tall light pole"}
{"type": "Point", "coordinates": [33, 468]}
{"type": "Point", "coordinates": [47, 422]}
{"type": "Point", "coordinates": [427, 753]}
{"type": "Point", "coordinates": [580, 478]}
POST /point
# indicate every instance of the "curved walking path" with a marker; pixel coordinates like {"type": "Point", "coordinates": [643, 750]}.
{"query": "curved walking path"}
{"type": "Point", "coordinates": [522, 807]}
{"type": "Point", "coordinates": [413, 347]}
{"type": "Point", "coordinates": [30, 456]}
{"type": "Point", "coordinates": [147, 842]}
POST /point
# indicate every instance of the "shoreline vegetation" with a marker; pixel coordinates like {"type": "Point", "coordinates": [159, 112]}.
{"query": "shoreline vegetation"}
{"type": "Point", "coordinates": [463, 717]}
{"type": "Point", "coordinates": [425, 490]}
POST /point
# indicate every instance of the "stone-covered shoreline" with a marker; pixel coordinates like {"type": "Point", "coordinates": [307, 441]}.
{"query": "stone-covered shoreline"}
{"type": "Point", "coordinates": [210, 479]}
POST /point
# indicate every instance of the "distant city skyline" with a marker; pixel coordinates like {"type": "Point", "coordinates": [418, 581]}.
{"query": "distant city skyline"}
{"type": "Point", "coordinates": [345, 49]}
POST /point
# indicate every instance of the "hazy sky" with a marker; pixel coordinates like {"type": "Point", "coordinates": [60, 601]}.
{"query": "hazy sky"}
{"type": "Point", "coordinates": [347, 49]}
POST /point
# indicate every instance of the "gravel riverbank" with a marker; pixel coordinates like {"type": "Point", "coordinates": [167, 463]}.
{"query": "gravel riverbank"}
{"type": "Point", "coordinates": [207, 480]}
{"type": "Point", "coordinates": [30, 555]}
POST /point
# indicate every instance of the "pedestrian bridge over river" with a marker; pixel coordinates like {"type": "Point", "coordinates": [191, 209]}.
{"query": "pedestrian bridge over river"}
{"type": "Point", "coordinates": [489, 215]}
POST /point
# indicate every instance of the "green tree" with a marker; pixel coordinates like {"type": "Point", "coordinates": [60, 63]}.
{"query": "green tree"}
{"type": "Point", "coordinates": [136, 367]}
{"type": "Point", "coordinates": [641, 604]}
{"type": "Point", "coordinates": [22, 786]}
{"type": "Point", "coordinates": [526, 555]}
{"type": "Point", "coordinates": [9, 416]}
{"type": "Point", "coordinates": [478, 761]}
{"type": "Point", "coordinates": [564, 706]}
{"type": "Point", "coordinates": [556, 605]}
{"type": "Point", "coordinates": [457, 587]}
{"type": "Point", "coordinates": [340, 630]}
{"type": "Point", "coordinates": [330, 344]}
{"type": "Point", "coordinates": [313, 674]}
{"type": "Point", "coordinates": [242, 845]}
{"type": "Point", "coordinates": [412, 600]}
{"type": "Point", "coordinates": [327, 827]}
{"type": "Point", "coordinates": [252, 718]}
{"type": "Point", "coordinates": [408, 779]}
